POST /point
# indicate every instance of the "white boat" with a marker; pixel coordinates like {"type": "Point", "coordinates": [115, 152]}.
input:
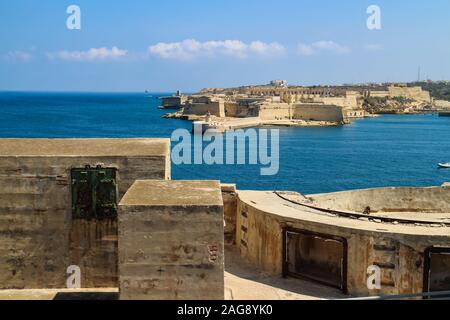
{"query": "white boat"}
{"type": "Point", "coordinates": [445, 165]}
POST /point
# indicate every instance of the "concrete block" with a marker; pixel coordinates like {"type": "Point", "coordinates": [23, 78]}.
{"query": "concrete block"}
{"type": "Point", "coordinates": [171, 241]}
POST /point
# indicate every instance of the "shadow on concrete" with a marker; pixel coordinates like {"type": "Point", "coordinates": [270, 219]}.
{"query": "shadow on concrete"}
{"type": "Point", "coordinates": [86, 296]}
{"type": "Point", "coordinates": [259, 285]}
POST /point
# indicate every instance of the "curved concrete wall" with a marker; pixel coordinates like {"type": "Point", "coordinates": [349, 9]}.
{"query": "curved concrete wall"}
{"type": "Point", "coordinates": [397, 199]}
{"type": "Point", "coordinates": [399, 250]}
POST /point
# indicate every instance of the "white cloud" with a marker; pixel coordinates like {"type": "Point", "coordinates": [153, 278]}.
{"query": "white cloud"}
{"type": "Point", "coordinates": [305, 50]}
{"type": "Point", "coordinates": [18, 56]}
{"type": "Point", "coordinates": [190, 48]}
{"type": "Point", "coordinates": [374, 47]}
{"type": "Point", "coordinates": [324, 45]}
{"type": "Point", "coordinates": [93, 54]}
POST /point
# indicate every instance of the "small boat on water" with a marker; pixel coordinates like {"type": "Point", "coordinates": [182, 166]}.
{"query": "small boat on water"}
{"type": "Point", "coordinates": [444, 165]}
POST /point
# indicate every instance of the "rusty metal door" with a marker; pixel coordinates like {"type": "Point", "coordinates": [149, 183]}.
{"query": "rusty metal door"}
{"type": "Point", "coordinates": [93, 235]}
{"type": "Point", "coordinates": [437, 270]}
{"type": "Point", "coordinates": [94, 193]}
{"type": "Point", "coordinates": [316, 257]}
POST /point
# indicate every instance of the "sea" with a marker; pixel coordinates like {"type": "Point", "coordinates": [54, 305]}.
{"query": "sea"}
{"type": "Point", "coordinates": [389, 150]}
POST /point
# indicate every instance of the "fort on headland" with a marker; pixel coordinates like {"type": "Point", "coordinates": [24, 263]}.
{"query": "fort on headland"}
{"type": "Point", "coordinates": [278, 104]}
{"type": "Point", "coordinates": [106, 211]}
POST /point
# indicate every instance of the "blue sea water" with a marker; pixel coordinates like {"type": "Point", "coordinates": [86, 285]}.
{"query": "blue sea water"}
{"type": "Point", "coordinates": [391, 150]}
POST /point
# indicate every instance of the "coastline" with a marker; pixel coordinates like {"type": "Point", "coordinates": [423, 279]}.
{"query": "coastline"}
{"type": "Point", "coordinates": [222, 124]}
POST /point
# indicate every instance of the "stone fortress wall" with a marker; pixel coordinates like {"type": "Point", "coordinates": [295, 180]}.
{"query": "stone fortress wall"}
{"type": "Point", "coordinates": [270, 103]}
{"type": "Point", "coordinates": [349, 97]}
{"type": "Point", "coordinates": [202, 105]}
{"type": "Point", "coordinates": [268, 109]}
{"type": "Point", "coordinates": [321, 112]}
{"type": "Point", "coordinates": [414, 93]}
{"type": "Point", "coordinates": [303, 111]}
{"type": "Point", "coordinates": [278, 101]}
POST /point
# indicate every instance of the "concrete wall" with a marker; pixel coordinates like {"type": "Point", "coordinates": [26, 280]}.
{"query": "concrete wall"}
{"type": "Point", "coordinates": [39, 239]}
{"type": "Point", "coordinates": [229, 197]}
{"type": "Point", "coordinates": [398, 250]}
{"type": "Point", "coordinates": [171, 241]}
{"type": "Point", "coordinates": [398, 199]}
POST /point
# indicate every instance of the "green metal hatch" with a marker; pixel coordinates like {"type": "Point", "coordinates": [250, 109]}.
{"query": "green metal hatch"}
{"type": "Point", "coordinates": [94, 193]}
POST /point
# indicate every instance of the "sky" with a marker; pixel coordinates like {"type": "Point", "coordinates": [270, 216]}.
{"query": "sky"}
{"type": "Point", "coordinates": [166, 45]}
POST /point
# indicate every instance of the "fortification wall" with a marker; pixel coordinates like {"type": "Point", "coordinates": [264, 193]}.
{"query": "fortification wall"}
{"type": "Point", "coordinates": [229, 197]}
{"type": "Point", "coordinates": [348, 102]}
{"type": "Point", "coordinates": [410, 92]}
{"type": "Point", "coordinates": [379, 94]}
{"type": "Point", "coordinates": [231, 109]}
{"type": "Point", "coordinates": [318, 112]}
{"type": "Point", "coordinates": [274, 111]}
{"type": "Point", "coordinates": [216, 108]}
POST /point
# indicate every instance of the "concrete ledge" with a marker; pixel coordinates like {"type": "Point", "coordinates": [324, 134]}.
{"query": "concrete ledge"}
{"type": "Point", "coordinates": [174, 192]}
{"type": "Point", "coordinates": [85, 147]}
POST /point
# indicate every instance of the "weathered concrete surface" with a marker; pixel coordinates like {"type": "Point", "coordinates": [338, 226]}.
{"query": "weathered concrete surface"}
{"type": "Point", "coordinates": [229, 197]}
{"type": "Point", "coordinates": [242, 282]}
{"type": "Point", "coordinates": [398, 249]}
{"type": "Point", "coordinates": [60, 294]}
{"type": "Point", "coordinates": [38, 238]}
{"type": "Point", "coordinates": [83, 147]}
{"type": "Point", "coordinates": [396, 199]}
{"type": "Point", "coordinates": [171, 241]}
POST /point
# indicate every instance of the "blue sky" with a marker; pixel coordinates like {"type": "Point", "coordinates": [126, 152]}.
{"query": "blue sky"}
{"type": "Point", "coordinates": [167, 45]}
